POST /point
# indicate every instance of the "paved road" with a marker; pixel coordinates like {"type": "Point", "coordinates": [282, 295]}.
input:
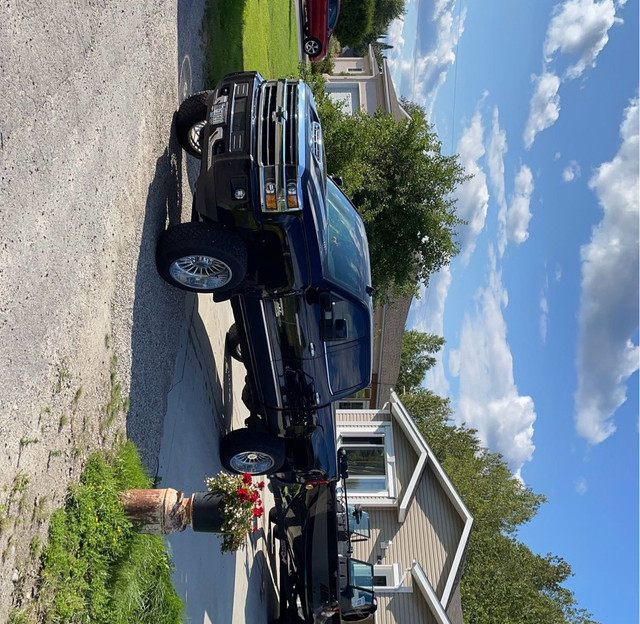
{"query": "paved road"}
{"type": "Point", "coordinates": [89, 174]}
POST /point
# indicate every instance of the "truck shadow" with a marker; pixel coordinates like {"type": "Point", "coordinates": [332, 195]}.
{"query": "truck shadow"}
{"type": "Point", "coordinates": [158, 315]}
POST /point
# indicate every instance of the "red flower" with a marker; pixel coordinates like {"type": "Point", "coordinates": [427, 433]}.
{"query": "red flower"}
{"type": "Point", "coordinates": [258, 511]}
{"type": "Point", "coordinates": [260, 484]}
{"type": "Point", "coordinates": [255, 528]}
{"type": "Point", "coordinates": [253, 497]}
{"type": "Point", "coordinates": [243, 494]}
{"type": "Point", "coordinates": [246, 478]}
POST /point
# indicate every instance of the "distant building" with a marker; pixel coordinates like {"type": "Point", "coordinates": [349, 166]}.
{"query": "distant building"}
{"type": "Point", "coordinates": [360, 84]}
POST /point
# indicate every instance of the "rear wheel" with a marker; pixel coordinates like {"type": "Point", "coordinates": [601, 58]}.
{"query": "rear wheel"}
{"type": "Point", "coordinates": [234, 349]}
{"type": "Point", "coordinates": [191, 119]}
{"type": "Point", "coordinates": [245, 450]}
{"type": "Point", "coordinates": [201, 257]}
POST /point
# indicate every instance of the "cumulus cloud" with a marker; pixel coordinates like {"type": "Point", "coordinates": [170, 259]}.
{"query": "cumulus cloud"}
{"type": "Point", "coordinates": [608, 317]}
{"type": "Point", "coordinates": [495, 161]}
{"type": "Point", "coordinates": [489, 398]}
{"type": "Point", "coordinates": [571, 171]}
{"type": "Point", "coordinates": [428, 315]}
{"type": "Point", "coordinates": [519, 215]}
{"type": "Point", "coordinates": [472, 197]}
{"type": "Point", "coordinates": [427, 71]}
{"type": "Point", "coordinates": [544, 108]}
{"type": "Point", "coordinates": [579, 28]}
{"type": "Point", "coordinates": [395, 38]}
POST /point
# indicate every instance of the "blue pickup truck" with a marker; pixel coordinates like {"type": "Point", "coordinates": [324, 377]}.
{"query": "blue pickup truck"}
{"type": "Point", "coordinates": [275, 235]}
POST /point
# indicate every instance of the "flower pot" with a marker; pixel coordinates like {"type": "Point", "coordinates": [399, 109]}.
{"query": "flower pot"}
{"type": "Point", "coordinates": [206, 516]}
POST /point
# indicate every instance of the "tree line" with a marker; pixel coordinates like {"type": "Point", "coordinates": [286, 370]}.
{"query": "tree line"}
{"type": "Point", "coordinates": [504, 581]}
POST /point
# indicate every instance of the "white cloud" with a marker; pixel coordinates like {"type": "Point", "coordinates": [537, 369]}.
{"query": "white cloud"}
{"type": "Point", "coordinates": [581, 486]}
{"type": "Point", "coordinates": [426, 72]}
{"type": "Point", "coordinates": [519, 215]}
{"type": "Point", "coordinates": [558, 273]}
{"type": "Point", "coordinates": [544, 108]}
{"type": "Point", "coordinates": [472, 197]}
{"type": "Point", "coordinates": [571, 171]}
{"type": "Point", "coordinates": [489, 398]}
{"type": "Point", "coordinates": [454, 362]}
{"type": "Point", "coordinates": [495, 161]}
{"type": "Point", "coordinates": [579, 28]}
{"type": "Point", "coordinates": [395, 38]}
{"type": "Point", "coordinates": [544, 317]}
{"type": "Point", "coordinates": [428, 312]}
{"type": "Point", "coordinates": [608, 317]}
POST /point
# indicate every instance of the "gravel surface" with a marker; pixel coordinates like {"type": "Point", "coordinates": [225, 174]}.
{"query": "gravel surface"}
{"type": "Point", "coordinates": [89, 174]}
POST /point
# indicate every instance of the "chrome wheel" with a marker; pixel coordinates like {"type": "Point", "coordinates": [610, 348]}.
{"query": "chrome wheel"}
{"type": "Point", "coordinates": [194, 135]}
{"type": "Point", "coordinates": [201, 272]}
{"type": "Point", "coordinates": [253, 462]}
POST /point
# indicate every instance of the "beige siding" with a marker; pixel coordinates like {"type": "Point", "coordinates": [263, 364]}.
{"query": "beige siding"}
{"type": "Point", "coordinates": [403, 608]}
{"type": "Point", "coordinates": [430, 534]}
{"type": "Point", "coordinates": [361, 416]}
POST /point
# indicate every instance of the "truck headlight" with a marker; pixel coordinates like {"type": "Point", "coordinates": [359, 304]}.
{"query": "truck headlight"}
{"type": "Point", "coordinates": [292, 195]}
{"type": "Point", "coordinates": [270, 199]}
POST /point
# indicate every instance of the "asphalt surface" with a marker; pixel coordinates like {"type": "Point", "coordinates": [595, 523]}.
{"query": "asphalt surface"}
{"type": "Point", "coordinates": [89, 175]}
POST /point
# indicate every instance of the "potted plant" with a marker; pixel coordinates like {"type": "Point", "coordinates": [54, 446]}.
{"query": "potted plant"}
{"type": "Point", "coordinates": [237, 500]}
{"type": "Point", "coordinates": [229, 507]}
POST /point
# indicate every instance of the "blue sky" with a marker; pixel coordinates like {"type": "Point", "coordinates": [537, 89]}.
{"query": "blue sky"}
{"type": "Point", "coordinates": [540, 308]}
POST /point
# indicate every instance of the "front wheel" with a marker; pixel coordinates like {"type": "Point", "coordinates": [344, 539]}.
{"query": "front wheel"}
{"type": "Point", "coordinates": [312, 46]}
{"type": "Point", "coordinates": [201, 257]}
{"type": "Point", "coordinates": [245, 450]}
{"type": "Point", "coordinates": [191, 119]}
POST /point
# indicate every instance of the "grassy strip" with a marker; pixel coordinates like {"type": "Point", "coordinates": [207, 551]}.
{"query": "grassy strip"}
{"type": "Point", "coordinates": [250, 34]}
{"type": "Point", "coordinates": [96, 568]}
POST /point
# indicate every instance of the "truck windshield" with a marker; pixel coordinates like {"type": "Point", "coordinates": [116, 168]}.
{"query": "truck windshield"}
{"type": "Point", "coordinates": [347, 260]}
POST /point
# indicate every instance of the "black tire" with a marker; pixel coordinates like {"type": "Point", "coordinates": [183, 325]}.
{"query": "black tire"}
{"type": "Point", "coordinates": [312, 46]}
{"type": "Point", "coordinates": [201, 257]}
{"type": "Point", "coordinates": [190, 121]}
{"type": "Point", "coordinates": [249, 400]}
{"type": "Point", "coordinates": [245, 450]}
{"type": "Point", "coordinates": [234, 349]}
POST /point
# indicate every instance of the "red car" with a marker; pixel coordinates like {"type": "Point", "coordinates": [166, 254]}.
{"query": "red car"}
{"type": "Point", "coordinates": [322, 17]}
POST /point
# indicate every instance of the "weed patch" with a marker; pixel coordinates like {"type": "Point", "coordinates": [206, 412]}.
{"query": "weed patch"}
{"type": "Point", "coordinates": [95, 566]}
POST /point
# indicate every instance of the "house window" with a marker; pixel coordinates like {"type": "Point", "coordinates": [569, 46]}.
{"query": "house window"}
{"type": "Point", "coordinates": [371, 461]}
{"type": "Point", "coordinates": [387, 578]}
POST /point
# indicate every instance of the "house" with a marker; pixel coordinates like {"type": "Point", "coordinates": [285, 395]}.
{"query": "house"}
{"type": "Point", "coordinates": [360, 84]}
{"type": "Point", "coordinates": [419, 524]}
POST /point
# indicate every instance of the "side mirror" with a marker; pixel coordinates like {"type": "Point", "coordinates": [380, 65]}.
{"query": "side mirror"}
{"type": "Point", "coordinates": [337, 180]}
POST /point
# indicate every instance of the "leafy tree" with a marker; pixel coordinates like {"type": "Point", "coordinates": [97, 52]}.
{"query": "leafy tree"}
{"type": "Point", "coordinates": [402, 186]}
{"type": "Point", "coordinates": [503, 581]}
{"type": "Point", "coordinates": [417, 358]}
{"type": "Point", "coordinates": [355, 21]}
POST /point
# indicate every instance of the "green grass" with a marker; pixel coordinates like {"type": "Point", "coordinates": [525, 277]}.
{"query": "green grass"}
{"type": "Point", "coordinates": [95, 567]}
{"type": "Point", "coordinates": [250, 34]}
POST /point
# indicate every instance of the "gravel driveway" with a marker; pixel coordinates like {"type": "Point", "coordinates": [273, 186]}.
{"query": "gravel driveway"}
{"type": "Point", "coordinates": [88, 176]}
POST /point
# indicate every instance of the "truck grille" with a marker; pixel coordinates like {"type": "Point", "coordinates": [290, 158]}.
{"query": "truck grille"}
{"type": "Point", "coordinates": [278, 135]}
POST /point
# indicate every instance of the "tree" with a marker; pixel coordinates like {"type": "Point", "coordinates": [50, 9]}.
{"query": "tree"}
{"type": "Point", "coordinates": [503, 580]}
{"type": "Point", "coordinates": [355, 20]}
{"type": "Point", "coordinates": [417, 358]}
{"type": "Point", "coordinates": [402, 186]}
